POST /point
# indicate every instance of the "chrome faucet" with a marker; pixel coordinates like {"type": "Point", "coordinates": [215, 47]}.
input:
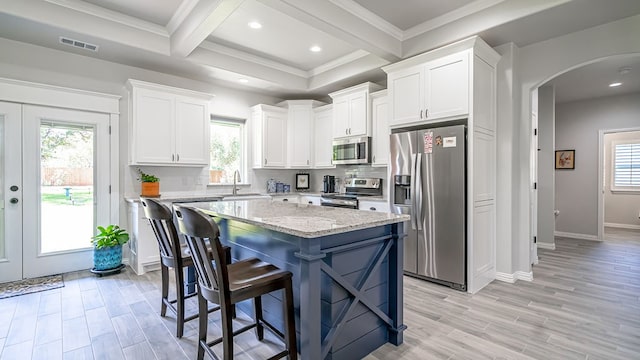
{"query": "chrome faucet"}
{"type": "Point", "coordinates": [236, 180]}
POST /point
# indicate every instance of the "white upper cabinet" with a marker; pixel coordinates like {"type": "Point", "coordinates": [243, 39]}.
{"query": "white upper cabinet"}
{"type": "Point", "coordinates": [300, 138]}
{"type": "Point", "coordinates": [431, 91]}
{"type": "Point", "coordinates": [380, 128]}
{"type": "Point", "coordinates": [323, 135]}
{"type": "Point", "coordinates": [269, 130]}
{"type": "Point", "coordinates": [167, 126]}
{"type": "Point", "coordinates": [351, 116]}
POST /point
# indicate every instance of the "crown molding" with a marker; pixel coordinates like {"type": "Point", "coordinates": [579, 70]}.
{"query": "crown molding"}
{"type": "Point", "coordinates": [110, 15]}
{"type": "Point", "coordinates": [181, 14]}
{"type": "Point", "coordinates": [358, 54]}
{"type": "Point", "coordinates": [449, 17]}
{"type": "Point", "coordinates": [366, 15]}
{"type": "Point", "coordinates": [217, 48]}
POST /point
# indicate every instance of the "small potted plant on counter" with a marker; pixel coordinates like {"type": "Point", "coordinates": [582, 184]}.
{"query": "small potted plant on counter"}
{"type": "Point", "coordinates": [107, 249]}
{"type": "Point", "coordinates": [150, 184]}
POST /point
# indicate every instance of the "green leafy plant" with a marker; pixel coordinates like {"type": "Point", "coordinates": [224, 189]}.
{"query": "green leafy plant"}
{"type": "Point", "coordinates": [112, 235]}
{"type": "Point", "coordinates": [147, 177]}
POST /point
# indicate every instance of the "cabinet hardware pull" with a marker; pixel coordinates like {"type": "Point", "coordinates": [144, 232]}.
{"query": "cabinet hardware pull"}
{"type": "Point", "coordinates": [421, 111]}
{"type": "Point", "coordinates": [285, 200]}
{"type": "Point", "coordinates": [265, 161]}
{"type": "Point", "coordinates": [346, 131]}
{"type": "Point", "coordinates": [426, 113]}
{"type": "Point", "coordinates": [310, 202]}
{"type": "Point", "coordinates": [372, 208]}
{"type": "Point", "coordinates": [374, 158]}
{"type": "Point", "coordinates": [173, 157]}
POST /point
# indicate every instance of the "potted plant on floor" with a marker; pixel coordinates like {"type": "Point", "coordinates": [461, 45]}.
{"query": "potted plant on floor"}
{"type": "Point", "coordinates": [107, 249]}
{"type": "Point", "coordinates": [150, 184]}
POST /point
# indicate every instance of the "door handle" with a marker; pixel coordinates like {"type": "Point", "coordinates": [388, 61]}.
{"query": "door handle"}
{"type": "Point", "coordinates": [14, 200]}
{"type": "Point", "coordinates": [13, 188]}
{"type": "Point", "coordinates": [418, 192]}
{"type": "Point", "coordinates": [412, 192]}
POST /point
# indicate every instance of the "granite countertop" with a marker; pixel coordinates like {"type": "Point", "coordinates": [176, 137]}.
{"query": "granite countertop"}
{"type": "Point", "coordinates": [307, 221]}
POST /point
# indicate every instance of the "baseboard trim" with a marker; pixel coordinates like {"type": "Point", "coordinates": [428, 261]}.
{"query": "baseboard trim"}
{"type": "Point", "coordinates": [576, 236]}
{"type": "Point", "coordinates": [623, 226]}
{"type": "Point", "coordinates": [512, 278]}
{"type": "Point", "coordinates": [548, 246]}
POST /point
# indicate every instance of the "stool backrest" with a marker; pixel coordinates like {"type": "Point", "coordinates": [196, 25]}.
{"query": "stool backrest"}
{"type": "Point", "coordinates": [161, 220]}
{"type": "Point", "coordinates": [197, 227]}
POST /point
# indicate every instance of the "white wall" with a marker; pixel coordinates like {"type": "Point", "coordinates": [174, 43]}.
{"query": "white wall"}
{"type": "Point", "coordinates": [546, 136]}
{"type": "Point", "coordinates": [621, 209]}
{"type": "Point", "coordinates": [539, 63]}
{"type": "Point", "coordinates": [577, 127]}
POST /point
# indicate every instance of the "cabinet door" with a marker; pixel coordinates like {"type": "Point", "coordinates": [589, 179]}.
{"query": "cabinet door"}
{"type": "Point", "coordinates": [323, 153]}
{"type": "Point", "coordinates": [406, 95]}
{"type": "Point", "coordinates": [379, 206]}
{"type": "Point", "coordinates": [299, 134]}
{"type": "Point", "coordinates": [192, 132]}
{"type": "Point", "coordinates": [358, 115]}
{"type": "Point", "coordinates": [274, 138]}
{"type": "Point", "coordinates": [341, 117]}
{"type": "Point", "coordinates": [153, 133]}
{"type": "Point", "coordinates": [447, 86]}
{"type": "Point", "coordinates": [380, 135]}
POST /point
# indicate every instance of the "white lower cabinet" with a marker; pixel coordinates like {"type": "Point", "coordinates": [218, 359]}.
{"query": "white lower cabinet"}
{"type": "Point", "coordinates": [380, 206]}
{"type": "Point", "coordinates": [285, 198]}
{"type": "Point", "coordinates": [143, 246]}
{"type": "Point", "coordinates": [309, 199]}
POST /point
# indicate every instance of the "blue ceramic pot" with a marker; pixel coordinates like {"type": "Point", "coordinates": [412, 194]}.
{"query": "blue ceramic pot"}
{"type": "Point", "coordinates": [107, 258]}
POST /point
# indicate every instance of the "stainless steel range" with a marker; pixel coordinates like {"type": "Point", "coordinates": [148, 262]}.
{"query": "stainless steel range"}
{"type": "Point", "coordinates": [354, 188]}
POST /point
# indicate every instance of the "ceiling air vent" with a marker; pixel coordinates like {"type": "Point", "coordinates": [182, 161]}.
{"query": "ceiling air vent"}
{"type": "Point", "coordinates": [78, 44]}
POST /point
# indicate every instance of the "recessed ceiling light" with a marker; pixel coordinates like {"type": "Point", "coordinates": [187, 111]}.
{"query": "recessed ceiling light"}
{"type": "Point", "coordinates": [255, 25]}
{"type": "Point", "coordinates": [315, 48]}
{"type": "Point", "coordinates": [243, 80]}
{"type": "Point", "coordinates": [615, 84]}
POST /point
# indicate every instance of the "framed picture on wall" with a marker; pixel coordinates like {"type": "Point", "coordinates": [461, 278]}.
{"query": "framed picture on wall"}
{"type": "Point", "coordinates": [302, 181]}
{"type": "Point", "coordinates": [565, 159]}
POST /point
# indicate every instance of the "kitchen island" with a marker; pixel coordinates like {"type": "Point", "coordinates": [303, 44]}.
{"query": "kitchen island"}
{"type": "Point", "coordinates": [346, 264]}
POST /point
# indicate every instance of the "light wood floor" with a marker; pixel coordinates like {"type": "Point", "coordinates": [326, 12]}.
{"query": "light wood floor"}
{"type": "Point", "coordinates": [584, 303]}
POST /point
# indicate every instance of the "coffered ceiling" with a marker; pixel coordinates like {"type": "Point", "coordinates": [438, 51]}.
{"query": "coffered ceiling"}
{"type": "Point", "coordinates": [211, 40]}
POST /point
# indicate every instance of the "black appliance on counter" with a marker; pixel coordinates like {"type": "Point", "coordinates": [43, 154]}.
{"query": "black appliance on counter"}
{"type": "Point", "coordinates": [328, 184]}
{"type": "Point", "coordinates": [354, 188]}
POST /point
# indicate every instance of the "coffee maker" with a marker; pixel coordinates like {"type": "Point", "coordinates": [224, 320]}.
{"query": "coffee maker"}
{"type": "Point", "coordinates": [329, 184]}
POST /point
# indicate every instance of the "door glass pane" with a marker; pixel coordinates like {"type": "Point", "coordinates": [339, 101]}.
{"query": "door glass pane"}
{"type": "Point", "coordinates": [66, 186]}
{"type": "Point", "coordinates": [2, 187]}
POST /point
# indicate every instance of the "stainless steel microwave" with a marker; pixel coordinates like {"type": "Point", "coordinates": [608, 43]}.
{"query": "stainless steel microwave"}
{"type": "Point", "coordinates": [352, 151]}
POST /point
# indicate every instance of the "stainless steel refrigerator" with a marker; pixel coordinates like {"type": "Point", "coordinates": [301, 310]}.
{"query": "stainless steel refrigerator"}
{"type": "Point", "coordinates": [428, 176]}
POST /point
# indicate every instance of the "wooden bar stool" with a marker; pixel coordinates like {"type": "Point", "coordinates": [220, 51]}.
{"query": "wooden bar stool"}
{"type": "Point", "coordinates": [228, 284]}
{"type": "Point", "coordinates": [172, 255]}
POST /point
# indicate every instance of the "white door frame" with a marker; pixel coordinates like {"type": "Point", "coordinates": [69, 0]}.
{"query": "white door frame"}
{"type": "Point", "coordinates": [11, 262]}
{"type": "Point", "coordinates": [24, 92]}
{"type": "Point", "coordinates": [601, 189]}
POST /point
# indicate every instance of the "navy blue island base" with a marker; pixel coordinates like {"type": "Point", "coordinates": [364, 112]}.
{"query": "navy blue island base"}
{"type": "Point", "coordinates": [347, 285]}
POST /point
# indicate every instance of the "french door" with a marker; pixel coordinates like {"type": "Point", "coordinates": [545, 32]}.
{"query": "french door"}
{"type": "Point", "coordinates": [56, 192]}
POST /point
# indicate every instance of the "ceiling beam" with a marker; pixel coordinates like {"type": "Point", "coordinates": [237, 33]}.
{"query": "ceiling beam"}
{"type": "Point", "coordinates": [203, 19]}
{"type": "Point", "coordinates": [334, 20]}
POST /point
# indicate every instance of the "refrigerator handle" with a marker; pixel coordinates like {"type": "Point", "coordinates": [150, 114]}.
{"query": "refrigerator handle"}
{"type": "Point", "coordinates": [418, 191]}
{"type": "Point", "coordinates": [412, 193]}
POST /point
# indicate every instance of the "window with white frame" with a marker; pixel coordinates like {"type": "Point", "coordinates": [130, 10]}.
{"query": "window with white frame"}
{"type": "Point", "coordinates": [227, 150]}
{"type": "Point", "coordinates": [626, 166]}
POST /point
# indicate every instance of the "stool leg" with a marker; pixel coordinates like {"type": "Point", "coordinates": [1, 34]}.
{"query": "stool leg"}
{"type": "Point", "coordinates": [257, 309]}
{"type": "Point", "coordinates": [203, 318]}
{"type": "Point", "coordinates": [227, 329]}
{"type": "Point", "coordinates": [164, 273]}
{"type": "Point", "coordinates": [179, 276]}
{"type": "Point", "coordinates": [289, 320]}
